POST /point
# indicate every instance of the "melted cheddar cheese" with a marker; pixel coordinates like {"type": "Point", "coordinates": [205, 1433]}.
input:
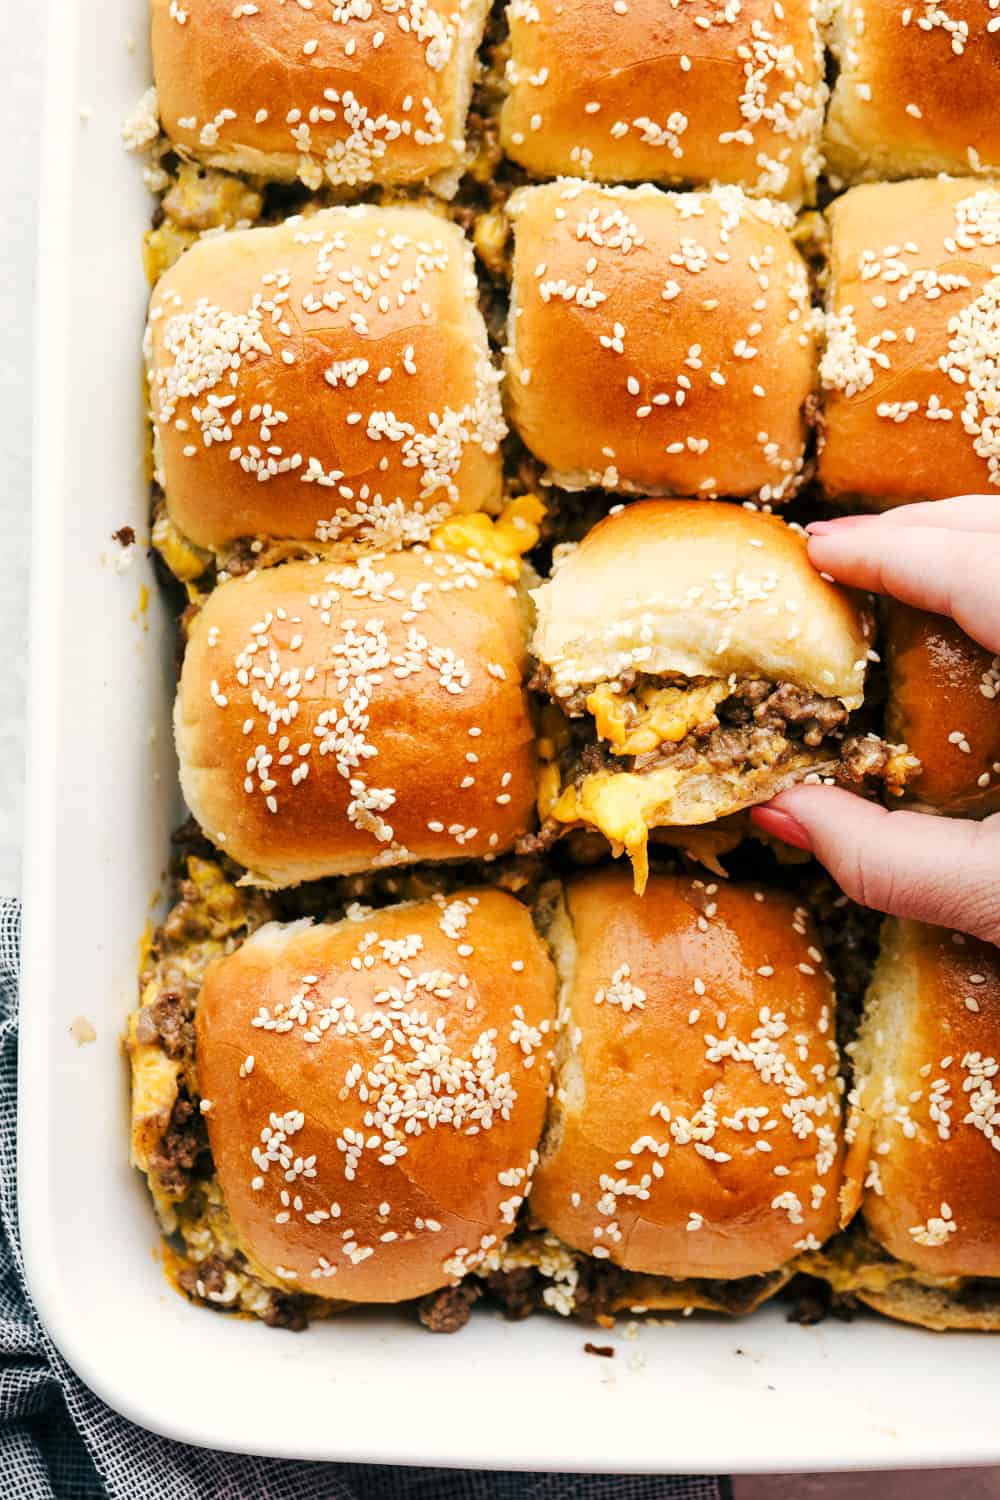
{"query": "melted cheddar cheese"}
{"type": "Point", "coordinates": [186, 561]}
{"type": "Point", "coordinates": [639, 722]}
{"type": "Point", "coordinates": [499, 542]}
{"type": "Point", "coordinates": [623, 806]}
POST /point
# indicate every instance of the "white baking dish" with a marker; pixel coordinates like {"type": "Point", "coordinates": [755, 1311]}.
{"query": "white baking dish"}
{"type": "Point", "coordinates": [695, 1395]}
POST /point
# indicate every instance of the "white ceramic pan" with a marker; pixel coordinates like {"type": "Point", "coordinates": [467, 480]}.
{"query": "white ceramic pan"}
{"type": "Point", "coordinates": [693, 1395]}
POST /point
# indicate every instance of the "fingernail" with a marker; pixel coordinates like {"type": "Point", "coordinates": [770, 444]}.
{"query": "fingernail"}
{"type": "Point", "coordinates": [839, 523]}
{"type": "Point", "coordinates": [783, 826]}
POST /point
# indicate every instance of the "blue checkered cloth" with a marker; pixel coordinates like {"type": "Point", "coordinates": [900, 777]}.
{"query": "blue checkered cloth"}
{"type": "Point", "coordinates": [58, 1440]}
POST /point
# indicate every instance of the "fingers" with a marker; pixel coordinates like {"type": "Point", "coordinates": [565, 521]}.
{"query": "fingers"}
{"type": "Point", "coordinates": [962, 513]}
{"type": "Point", "coordinates": [945, 571]}
{"type": "Point", "coordinates": [907, 864]}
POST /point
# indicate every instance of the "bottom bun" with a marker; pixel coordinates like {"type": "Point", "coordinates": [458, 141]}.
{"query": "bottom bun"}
{"type": "Point", "coordinates": [973, 1307]}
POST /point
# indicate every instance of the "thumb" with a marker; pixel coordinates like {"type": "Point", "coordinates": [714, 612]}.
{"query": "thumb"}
{"type": "Point", "coordinates": [936, 870]}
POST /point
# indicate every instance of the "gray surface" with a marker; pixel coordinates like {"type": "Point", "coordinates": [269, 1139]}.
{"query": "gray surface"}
{"type": "Point", "coordinates": [21, 28]}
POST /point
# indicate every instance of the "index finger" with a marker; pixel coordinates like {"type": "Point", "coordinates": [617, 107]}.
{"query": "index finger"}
{"type": "Point", "coordinates": [945, 572]}
{"type": "Point", "coordinates": [960, 513]}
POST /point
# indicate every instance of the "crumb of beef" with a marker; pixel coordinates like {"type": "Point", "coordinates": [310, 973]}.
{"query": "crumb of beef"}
{"type": "Point", "coordinates": [862, 756]}
{"type": "Point", "coordinates": [449, 1309]}
{"type": "Point", "coordinates": [599, 1286]}
{"type": "Point", "coordinates": [787, 705]}
{"type": "Point", "coordinates": [739, 1296]}
{"type": "Point", "coordinates": [214, 909]}
{"type": "Point", "coordinates": [287, 1310]}
{"type": "Point", "coordinates": [603, 1351]}
{"type": "Point", "coordinates": [518, 1293]}
{"type": "Point", "coordinates": [813, 1301]}
{"type": "Point", "coordinates": [534, 844]}
{"type": "Point", "coordinates": [247, 554]}
{"type": "Point", "coordinates": [205, 1280]}
{"type": "Point", "coordinates": [124, 536]}
{"type": "Point", "coordinates": [849, 935]}
{"type": "Point", "coordinates": [183, 1141]}
{"type": "Point", "coordinates": [596, 757]}
{"type": "Point", "coordinates": [168, 1021]}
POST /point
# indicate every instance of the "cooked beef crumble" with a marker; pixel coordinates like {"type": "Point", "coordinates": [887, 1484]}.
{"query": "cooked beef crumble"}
{"type": "Point", "coordinates": [849, 935]}
{"type": "Point", "coordinates": [813, 1301]}
{"type": "Point", "coordinates": [173, 1160]}
{"type": "Point", "coordinates": [449, 1309]}
{"type": "Point", "coordinates": [168, 1022]}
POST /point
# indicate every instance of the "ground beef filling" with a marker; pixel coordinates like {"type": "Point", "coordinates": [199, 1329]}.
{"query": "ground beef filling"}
{"type": "Point", "coordinates": [174, 1159]}
{"type": "Point", "coordinates": [601, 1288]}
{"type": "Point", "coordinates": [755, 726]}
{"type": "Point", "coordinates": [207, 1282]}
{"type": "Point", "coordinates": [449, 1309]}
{"type": "Point", "coordinates": [169, 1022]}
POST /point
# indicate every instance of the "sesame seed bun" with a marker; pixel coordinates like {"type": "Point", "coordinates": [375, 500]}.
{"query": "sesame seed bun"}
{"type": "Point", "coordinates": [660, 343]}
{"type": "Point", "coordinates": [376, 1092]}
{"type": "Point", "coordinates": [943, 704]}
{"type": "Point", "coordinates": [337, 717]}
{"type": "Point", "coordinates": [696, 1123]}
{"type": "Point", "coordinates": [915, 94]}
{"type": "Point", "coordinates": [329, 376]}
{"type": "Point", "coordinates": [925, 1154]}
{"type": "Point", "coordinates": [285, 91]}
{"type": "Point", "coordinates": [699, 589]}
{"type": "Point", "coordinates": [746, 93]}
{"type": "Point", "coordinates": [909, 371]}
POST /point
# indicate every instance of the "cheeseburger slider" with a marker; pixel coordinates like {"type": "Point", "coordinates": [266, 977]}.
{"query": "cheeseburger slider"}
{"type": "Point", "coordinates": [371, 91]}
{"type": "Point", "coordinates": [700, 664]}
{"type": "Point", "coordinates": [696, 1126]}
{"type": "Point", "coordinates": [326, 377]}
{"type": "Point", "coordinates": [916, 89]}
{"type": "Point", "coordinates": [342, 716]}
{"type": "Point", "coordinates": [924, 1127]}
{"type": "Point", "coordinates": [660, 343]}
{"type": "Point", "coordinates": [912, 405]}
{"type": "Point", "coordinates": [373, 1091]}
{"type": "Point", "coordinates": [943, 691]}
{"type": "Point", "coordinates": [671, 93]}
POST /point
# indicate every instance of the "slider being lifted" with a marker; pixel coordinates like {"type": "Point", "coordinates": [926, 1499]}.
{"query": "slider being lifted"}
{"type": "Point", "coordinates": [699, 664]}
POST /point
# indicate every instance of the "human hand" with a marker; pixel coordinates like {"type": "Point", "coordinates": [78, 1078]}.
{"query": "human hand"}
{"type": "Point", "coordinates": [942, 557]}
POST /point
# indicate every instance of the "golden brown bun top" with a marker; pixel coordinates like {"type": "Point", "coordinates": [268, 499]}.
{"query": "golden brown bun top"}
{"type": "Point", "coordinates": [697, 1127]}
{"type": "Point", "coordinates": [326, 376]}
{"type": "Point", "coordinates": [648, 91]}
{"type": "Point", "coordinates": [927, 1126]}
{"type": "Point", "coordinates": [944, 704]}
{"type": "Point", "coordinates": [660, 342]}
{"type": "Point", "coordinates": [909, 365]}
{"type": "Point", "coordinates": [340, 716]}
{"type": "Point", "coordinates": [377, 1090]}
{"type": "Point", "coordinates": [917, 89]}
{"type": "Point", "coordinates": [701, 589]}
{"type": "Point", "coordinates": [369, 93]}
